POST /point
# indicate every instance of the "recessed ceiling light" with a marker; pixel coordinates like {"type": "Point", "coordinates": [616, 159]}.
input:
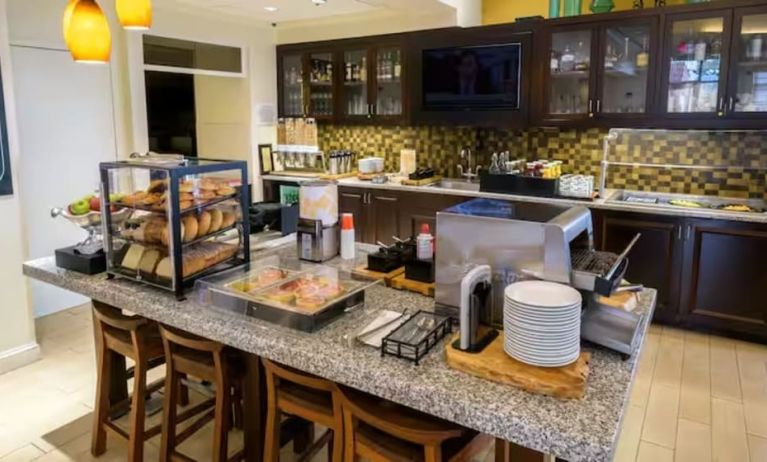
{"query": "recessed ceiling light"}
{"type": "Point", "coordinates": [270, 9]}
{"type": "Point", "coordinates": [319, 2]}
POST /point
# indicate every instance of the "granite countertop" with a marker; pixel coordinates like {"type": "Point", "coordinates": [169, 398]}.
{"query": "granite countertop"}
{"type": "Point", "coordinates": [576, 430]}
{"type": "Point", "coordinates": [601, 203]}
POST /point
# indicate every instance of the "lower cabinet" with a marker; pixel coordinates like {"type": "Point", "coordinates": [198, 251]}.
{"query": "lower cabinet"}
{"type": "Point", "coordinates": [710, 274]}
{"type": "Point", "coordinates": [379, 215]}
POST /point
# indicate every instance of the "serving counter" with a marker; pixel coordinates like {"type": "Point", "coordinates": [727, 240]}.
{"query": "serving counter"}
{"type": "Point", "coordinates": [575, 430]}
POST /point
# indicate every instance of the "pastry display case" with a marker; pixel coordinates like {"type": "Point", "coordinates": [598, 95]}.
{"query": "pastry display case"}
{"type": "Point", "coordinates": [185, 219]}
{"type": "Point", "coordinates": [298, 295]}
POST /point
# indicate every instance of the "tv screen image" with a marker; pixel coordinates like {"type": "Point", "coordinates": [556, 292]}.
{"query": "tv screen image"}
{"type": "Point", "coordinates": [477, 77]}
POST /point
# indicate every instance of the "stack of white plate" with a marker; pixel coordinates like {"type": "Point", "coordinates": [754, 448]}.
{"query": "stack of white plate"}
{"type": "Point", "coordinates": [542, 323]}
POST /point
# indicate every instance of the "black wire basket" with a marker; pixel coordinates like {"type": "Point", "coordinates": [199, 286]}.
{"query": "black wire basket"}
{"type": "Point", "coordinates": [414, 338]}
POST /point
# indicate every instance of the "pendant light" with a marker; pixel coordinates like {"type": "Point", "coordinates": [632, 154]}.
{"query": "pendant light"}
{"type": "Point", "coordinates": [134, 14]}
{"type": "Point", "coordinates": [67, 19]}
{"type": "Point", "coordinates": [87, 34]}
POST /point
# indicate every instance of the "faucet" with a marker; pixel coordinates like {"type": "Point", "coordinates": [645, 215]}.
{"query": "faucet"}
{"type": "Point", "coordinates": [467, 173]}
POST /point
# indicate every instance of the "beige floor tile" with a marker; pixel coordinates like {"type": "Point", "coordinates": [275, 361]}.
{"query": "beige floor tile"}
{"type": "Point", "coordinates": [647, 358]}
{"type": "Point", "coordinates": [668, 366]}
{"type": "Point", "coordinates": [672, 332]}
{"type": "Point", "coordinates": [693, 442]}
{"type": "Point", "coordinates": [728, 431]}
{"type": "Point", "coordinates": [65, 433]}
{"type": "Point", "coordinates": [757, 448]}
{"type": "Point", "coordinates": [753, 383]}
{"type": "Point", "coordinates": [725, 382]}
{"type": "Point", "coordinates": [660, 419]}
{"type": "Point", "coordinates": [628, 441]}
{"type": "Point", "coordinates": [695, 395]}
{"type": "Point", "coordinates": [24, 454]}
{"type": "Point", "coordinates": [649, 452]}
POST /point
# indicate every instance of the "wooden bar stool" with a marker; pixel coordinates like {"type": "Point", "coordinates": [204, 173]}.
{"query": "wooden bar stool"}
{"type": "Point", "coordinates": [381, 431]}
{"type": "Point", "coordinates": [308, 397]}
{"type": "Point", "coordinates": [131, 337]}
{"type": "Point", "coordinates": [187, 354]}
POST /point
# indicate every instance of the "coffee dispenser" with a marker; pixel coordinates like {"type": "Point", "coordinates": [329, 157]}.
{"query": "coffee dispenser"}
{"type": "Point", "coordinates": [318, 230]}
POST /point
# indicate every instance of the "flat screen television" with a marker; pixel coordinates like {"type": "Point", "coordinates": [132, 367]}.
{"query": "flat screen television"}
{"type": "Point", "coordinates": [472, 77]}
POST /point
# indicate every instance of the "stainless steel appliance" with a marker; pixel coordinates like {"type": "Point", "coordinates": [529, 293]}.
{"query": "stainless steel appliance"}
{"type": "Point", "coordinates": [476, 291]}
{"type": "Point", "coordinates": [317, 242]}
{"type": "Point", "coordinates": [318, 230]}
{"type": "Point", "coordinates": [521, 241]}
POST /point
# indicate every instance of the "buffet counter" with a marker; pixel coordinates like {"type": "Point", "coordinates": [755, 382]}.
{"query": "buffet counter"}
{"type": "Point", "coordinates": [609, 201]}
{"type": "Point", "coordinates": [575, 430]}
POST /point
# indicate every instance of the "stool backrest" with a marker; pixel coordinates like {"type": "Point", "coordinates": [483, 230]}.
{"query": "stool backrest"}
{"type": "Point", "coordinates": [289, 374]}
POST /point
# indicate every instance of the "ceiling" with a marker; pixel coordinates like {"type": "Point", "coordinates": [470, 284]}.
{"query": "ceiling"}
{"type": "Point", "coordinates": [296, 10]}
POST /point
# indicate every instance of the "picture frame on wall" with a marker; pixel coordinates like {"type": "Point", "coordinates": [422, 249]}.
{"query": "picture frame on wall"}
{"type": "Point", "coordinates": [6, 183]}
{"type": "Point", "coordinates": [265, 153]}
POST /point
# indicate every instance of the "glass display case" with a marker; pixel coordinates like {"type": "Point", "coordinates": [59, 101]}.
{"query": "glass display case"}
{"type": "Point", "coordinates": [284, 291]}
{"type": "Point", "coordinates": [321, 99]}
{"type": "Point", "coordinates": [570, 72]}
{"type": "Point", "coordinates": [355, 84]}
{"type": "Point", "coordinates": [186, 219]}
{"type": "Point", "coordinates": [292, 96]}
{"type": "Point", "coordinates": [749, 86]}
{"type": "Point", "coordinates": [625, 70]}
{"type": "Point", "coordinates": [388, 81]}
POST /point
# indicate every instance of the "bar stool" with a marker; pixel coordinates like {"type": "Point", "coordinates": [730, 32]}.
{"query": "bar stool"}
{"type": "Point", "coordinates": [308, 397]}
{"type": "Point", "coordinates": [382, 431]}
{"type": "Point", "coordinates": [117, 337]}
{"type": "Point", "coordinates": [187, 354]}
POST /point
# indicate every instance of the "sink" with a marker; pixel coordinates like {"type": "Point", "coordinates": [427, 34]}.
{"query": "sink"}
{"type": "Point", "coordinates": [457, 183]}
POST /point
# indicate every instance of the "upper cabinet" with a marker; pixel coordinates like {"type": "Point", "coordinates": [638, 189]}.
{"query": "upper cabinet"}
{"type": "Point", "coordinates": [599, 72]}
{"type": "Point", "coordinates": [349, 81]}
{"type": "Point", "coordinates": [747, 92]}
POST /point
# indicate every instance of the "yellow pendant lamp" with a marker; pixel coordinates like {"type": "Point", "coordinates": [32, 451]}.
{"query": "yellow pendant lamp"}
{"type": "Point", "coordinates": [134, 14]}
{"type": "Point", "coordinates": [86, 32]}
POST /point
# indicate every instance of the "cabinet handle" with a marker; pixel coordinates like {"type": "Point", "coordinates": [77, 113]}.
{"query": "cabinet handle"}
{"type": "Point", "coordinates": [679, 232]}
{"type": "Point", "coordinates": [732, 104]}
{"type": "Point", "coordinates": [687, 234]}
{"type": "Point", "coordinates": [721, 107]}
{"type": "Point", "coordinates": [591, 104]}
{"type": "Point", "coordinates": [599, 105]}
{"type": "Point", "coordinates": [388, 199]}
{"type": "Point", "coordinates": [370, 110]}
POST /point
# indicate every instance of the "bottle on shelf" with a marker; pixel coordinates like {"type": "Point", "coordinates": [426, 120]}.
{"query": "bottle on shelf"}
{"type": "Point", "coordinates": [397, 66]}
{"type": "Point", "coordinates": [643, 57]}
{"type": "Point", "coordinates": [581, 58]}
{"type": "Point", "coordinates": [348, 72]}
{"type": "Point", "coordinates": [554, 62]}
{"type": "Point", "coordinates": [329, 72]}
{"type": "Point", "coordinates": [362, 72]}
{"type": "Point", "coordinates": [567, 61]}
{"type": "Point", "coordinates": [756, 47]}
{"type": "Point", "coordinates": [611, 58]}
{"type": "Point", "coordinates": [701, 47]}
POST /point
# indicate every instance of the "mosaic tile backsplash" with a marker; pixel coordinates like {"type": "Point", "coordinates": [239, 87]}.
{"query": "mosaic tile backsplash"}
{"type": "Point", "coordinates": [732, 164]}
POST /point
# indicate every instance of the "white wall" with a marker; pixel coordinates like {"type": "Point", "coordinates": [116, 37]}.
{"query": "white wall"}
{"type": "Point", "coordinates": [258, 43]}
{"type": "Point", "coordinates": [17, 334]}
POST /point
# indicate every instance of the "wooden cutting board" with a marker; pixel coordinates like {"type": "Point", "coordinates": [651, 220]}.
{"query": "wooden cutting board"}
{"type": "Point", "coordinates": [364, 273]}
{"type": "Point", "coordinates": [400, 282]}
{"type": "Point", "coordinates": [421, 182]}
{"type": "Point", "coordinates": [338, 176]}
{"type": "Point", "coordinates": [567, 382]}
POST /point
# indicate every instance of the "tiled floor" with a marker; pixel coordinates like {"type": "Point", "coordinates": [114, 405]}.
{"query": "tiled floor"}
{"type": "Point", "coordinates": [697, 398]}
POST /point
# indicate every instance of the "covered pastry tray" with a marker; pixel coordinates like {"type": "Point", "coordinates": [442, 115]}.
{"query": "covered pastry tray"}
{"type": "Point", "coordinates": [297, 295]}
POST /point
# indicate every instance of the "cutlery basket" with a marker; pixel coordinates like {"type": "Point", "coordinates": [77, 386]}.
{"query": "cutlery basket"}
{"type": "Point", "coordinates": [414, 338]}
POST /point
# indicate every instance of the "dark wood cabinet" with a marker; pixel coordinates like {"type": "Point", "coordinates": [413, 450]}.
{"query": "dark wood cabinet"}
{"type": "Point", "coordinates": [305, 82]}
{"type": "Point", "coordinates": [353, 200]}
{"type": "Point", "coordinates": [655, 259]}
{"type": "Point", "coordinates": [710, 274]}
{"type": "Point", "coordinates": [383, 217]}
{"type": "Point", "coordinates": [725, 277]}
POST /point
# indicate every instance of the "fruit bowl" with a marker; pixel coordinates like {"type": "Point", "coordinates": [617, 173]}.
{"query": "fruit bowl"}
{"type": "Point", "coordinates": [90, 222]}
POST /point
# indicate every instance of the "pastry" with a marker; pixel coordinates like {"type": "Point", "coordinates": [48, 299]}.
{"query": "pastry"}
{"type": "Point", "coordinates": [208, 185]}
{"type": "Point", "coordinates": [165, 239]}
{"type": "Point", "coordinates": [225, 190]}
{"type": "Point", "coordinates": [310, 303]}
{"type": "Point", "coordinates": [163, 269]}
{"type": "Point", "coordinates": [133, 256]}
{"type": "Point", "coordinates": [185, 196]}
{"type": "Point", "coordinates": [216, 220]}
{"type": "Point", "coordinates": [157, 186]}
{"type": "Point", "coordinates": [149, 261]}
{"type": "Point", "coordinates": [203, 224]}
{"type": "Point", "coordinates": [185, 204]}
{"type": "Point", "coordinates": [186, 186]}
{"type": "Point", "coordinates": [152, 199]}
{"type": "Point", "coordinates": [153, 232]}
{"type": "Point", "coordinates": [227, 220]}
{"type": "Point", "coordinates": [159, 207]}
{"type": "Point", "coordinates": [205, 195]}
{"type": "Point", "coordinates": [281, 296]}
{"type": "Point", "coordinates": [134, 198]}
{"type": "Point", "coordinates": [190, 227]}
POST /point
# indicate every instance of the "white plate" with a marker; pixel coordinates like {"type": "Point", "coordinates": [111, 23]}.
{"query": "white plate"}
{"type": "Point", "coordinates": [509, 314]}
{"type": "Point", "coordinates": [558, 362]}
{"type": "Point", "coordinates": [543, 293]}
{"type": "Point", "coordinates": [528, 342]}
{"type": "Point", "coordinates": [541, 309]}
{"type": "Point", "coordinates": [543, 351]}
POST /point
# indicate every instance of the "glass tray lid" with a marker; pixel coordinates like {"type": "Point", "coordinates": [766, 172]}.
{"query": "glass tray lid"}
{"type": "Point", "coordinates": [285, 284]}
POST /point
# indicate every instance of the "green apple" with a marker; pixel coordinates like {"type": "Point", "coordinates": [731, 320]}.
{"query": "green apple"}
{"type": "Point", "coordinates": [80, 207]}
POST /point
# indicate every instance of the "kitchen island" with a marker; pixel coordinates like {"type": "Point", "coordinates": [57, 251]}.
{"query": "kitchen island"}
{"type": "Point", "coordinates": [575, 430]}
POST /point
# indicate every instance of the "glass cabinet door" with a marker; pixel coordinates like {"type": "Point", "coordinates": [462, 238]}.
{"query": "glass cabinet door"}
{"type": "Point", "coordinates": [695, 53]}
{"type": "Point", "coordinates": [321, 84]}
{"type": "Point", "coordinates": [292, 85]}
{"type": "Point", "coordinates": [625, 63]}
{"type": "Point", "coordinates": [749, 87]}
{"type": "Point", "coordinates": [388, 72]}
{"type": "Point", "coordinates": [355, 83]}
{"type": "Point", "coordinates": [570, 73]}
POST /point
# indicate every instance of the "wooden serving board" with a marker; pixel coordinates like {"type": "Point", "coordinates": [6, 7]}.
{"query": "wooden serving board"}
{"type": "Point", "coordinates": [422, 182]}
{"type": "Point", "coordinates": [364, 273]}
{"type": "Point", "coordinates": [567, 382]}
{"type": "Point", "coordinates": [367, 176]}
{"type": "Point", "coordinates": [339, 176]}
{"type": "Point", "coordinates": [400, 282]}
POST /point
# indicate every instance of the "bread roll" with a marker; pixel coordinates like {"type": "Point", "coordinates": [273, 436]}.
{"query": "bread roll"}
{"type": "Point", "coordinates": [166, 235]}
{"type": "Point", "coordinates": [208, 185]}
{"type": "Point", "coordinates": [203, 224]}
{"type": "Point", "coordinates": [228, 219]}
{"type": "Point", "coordinates": [186, 186]}
{"type": "Point", "coordinates": [163, 269]}
{"type": "Point", "coordinates": [154, 231]}
{"type": "Point", "coordinates": [149, 262]}
{"type": "Point", "coordinates": [132, 258]}
{"type": "Point", "coordinates": [216, 219]}
{"type": "Point", "coordinates": [225, 190]}
{"type": "Point", "coordinates": [190, 227]}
